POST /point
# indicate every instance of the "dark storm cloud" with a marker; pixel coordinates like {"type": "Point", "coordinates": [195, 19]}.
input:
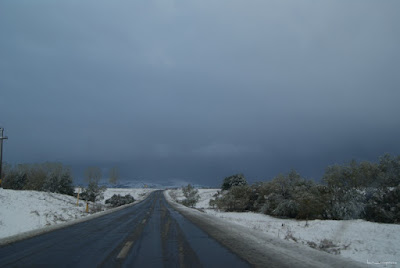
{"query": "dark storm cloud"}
{"type": "Point", "coordinates": [200, 89]}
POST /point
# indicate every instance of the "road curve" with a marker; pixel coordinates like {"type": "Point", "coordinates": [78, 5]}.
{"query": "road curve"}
{"type": "Point", "coordinates": [148, 234]}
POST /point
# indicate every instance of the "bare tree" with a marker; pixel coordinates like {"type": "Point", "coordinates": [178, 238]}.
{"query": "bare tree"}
{"type": "Point", "coordinates": [113, 175]}
{"type": "Point", "coordinates": [93, 192]}
{"type": "Point", "coordinates": [93, 174]}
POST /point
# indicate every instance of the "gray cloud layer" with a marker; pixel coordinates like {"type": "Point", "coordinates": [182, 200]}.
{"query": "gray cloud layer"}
{"type": "Point", "coordinates": [200, 89]}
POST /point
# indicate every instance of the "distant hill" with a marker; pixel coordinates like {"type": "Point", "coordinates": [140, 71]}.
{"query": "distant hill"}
{"type": "Point", "coordinates": [144, 184]}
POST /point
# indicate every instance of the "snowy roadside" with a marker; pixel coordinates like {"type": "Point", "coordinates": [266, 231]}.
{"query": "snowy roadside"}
{"type": "Point", "coordinates": [359, 240]}
{"type": "Point", "coordinates": [258, 248]}
{"type": "Point", "coordinates": [28, 213]}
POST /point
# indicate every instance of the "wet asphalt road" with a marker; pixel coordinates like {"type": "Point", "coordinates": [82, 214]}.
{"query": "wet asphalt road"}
{"type": "Point", "coordinates": [148, 234]}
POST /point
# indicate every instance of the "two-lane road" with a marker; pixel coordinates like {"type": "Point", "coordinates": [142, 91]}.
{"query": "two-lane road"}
{"type": "Point", "coordinates": [148, 234]}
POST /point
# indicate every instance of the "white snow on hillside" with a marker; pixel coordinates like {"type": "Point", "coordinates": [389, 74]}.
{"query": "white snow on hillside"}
{"type": "Point", "coordinates": [363, 241]}
{"type": "Point", "coordinates": [22, 211]}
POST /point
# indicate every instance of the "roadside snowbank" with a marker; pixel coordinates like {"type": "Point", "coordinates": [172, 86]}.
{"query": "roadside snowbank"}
{"type": "Point", "coordinates": [363, 241]}
{"type": "Point", "coordinates": [23, 211]}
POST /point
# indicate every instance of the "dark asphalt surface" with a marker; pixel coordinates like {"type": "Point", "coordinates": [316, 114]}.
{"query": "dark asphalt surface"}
{"type": "Point", "coordinates": [148, 234]}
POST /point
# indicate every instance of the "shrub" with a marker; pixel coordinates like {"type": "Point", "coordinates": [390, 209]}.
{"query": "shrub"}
{"type": "Point", "coordinates": [14, 180]}
{"type": "Point", "coordinates": [286, 208]}
{"type": "Point", "coordinates": [93, 192]}
{"type": "Point", "coordinates": [213, 202]}
{"type": "Point", "coordinates": [65, 185]}
{"type": "Point", "coordinates": [191, 196]}
{"type": "Point", "coordinates": [234, 180]}
{"type": "Point", "coordinates": [350, 191]}
{"type": "Point", "coordinates": [383, 205]}
{"type": "Point", "coordinates": [118, 200]}
{"type": "Point", "coordinates": [313, 202]}
{"type": "Point", "coordinates": [236, 199]}
{"type": "Point", "coordinates": [36, 177]}
{"type": "Point", "coordinates": [288, 196]}
{"type": "Point", "coordinates": [50, 177]}
{"type": "Point", "coordinates": [345, 204]}
{"type": "Point", "coordinates": [389, 168]}
{"type": "Point", "coordinates": [59, 182]}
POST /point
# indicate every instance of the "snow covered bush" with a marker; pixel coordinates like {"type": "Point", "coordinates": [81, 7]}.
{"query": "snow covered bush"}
{"type": "Point", "coordinates": [383, 205]}
{"type": "Point", "coordinates": [291, 196]}
{"type": "Point", "coordinates": [59, 183]}
{"type": "Point", "coordinates": [353, 190]}
{"type": "Point", "coordinates": [93, 192]}
{"type": "Point", "coordinates": [286, 208]}
{"type": "Point", "coordinates": [238, 198]}
{"type": "Point", "coordinates": [313, 202]}
{"type": "Point", "coordinates": [345, 195]}
{"type": "Point", "coordinates": [213, 203]}
{"type": "Point", "coordinates": [345, 204]}
{"type": "Point", "coordinates": [191, 196]}
{"type": "Point", "coordinates": [14, 180]}
{"type": "Point", "coordinates": [234, 180]}
{"type": "Point", "coordinates": [389, 168]}
{"type": "Point", "coordinates": [37, 175]}
{"type": "Point", "coordinates": [118, 200]}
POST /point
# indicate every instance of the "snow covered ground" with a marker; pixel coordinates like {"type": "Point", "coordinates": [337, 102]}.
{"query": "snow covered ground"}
{"type": "Point", "coordinates": [22, 211]}
{"type": "Point", "coordinates": [366, 242]}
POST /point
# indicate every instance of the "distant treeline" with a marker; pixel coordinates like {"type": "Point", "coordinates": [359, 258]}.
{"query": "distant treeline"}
{"type": "Point", "coordinates": [55, 178]}
{"type": "Point", "coordinates": [353, 190]}
{"type": "Point", "coordinates": [48, 177]}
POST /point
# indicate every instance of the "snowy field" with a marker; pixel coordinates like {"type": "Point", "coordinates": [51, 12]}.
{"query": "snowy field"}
{"type": "Point", "coordinates": [22, 211]}
{"type": "Point", "coordinates": [363, 241]}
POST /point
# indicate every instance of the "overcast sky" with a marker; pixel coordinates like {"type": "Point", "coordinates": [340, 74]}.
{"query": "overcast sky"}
{"type": "Point", "coordinates": [199, 90]}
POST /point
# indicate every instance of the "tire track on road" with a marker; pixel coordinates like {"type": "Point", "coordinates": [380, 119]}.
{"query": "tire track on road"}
{"type": "Point", "coordinates": [117, 256]}
{"type": "Point", "coordinates": [175, 247]}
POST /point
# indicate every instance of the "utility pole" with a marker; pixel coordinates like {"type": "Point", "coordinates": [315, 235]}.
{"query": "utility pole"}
{"type": "Point", "coordinates": [1, 149]}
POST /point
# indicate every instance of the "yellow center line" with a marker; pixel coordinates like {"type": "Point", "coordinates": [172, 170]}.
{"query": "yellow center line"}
{"type": "Point", "coordinates": [125, 250]}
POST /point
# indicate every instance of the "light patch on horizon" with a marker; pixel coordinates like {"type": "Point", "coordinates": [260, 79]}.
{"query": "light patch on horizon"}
{"type": "Point", "coordinates": [217, 149]}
